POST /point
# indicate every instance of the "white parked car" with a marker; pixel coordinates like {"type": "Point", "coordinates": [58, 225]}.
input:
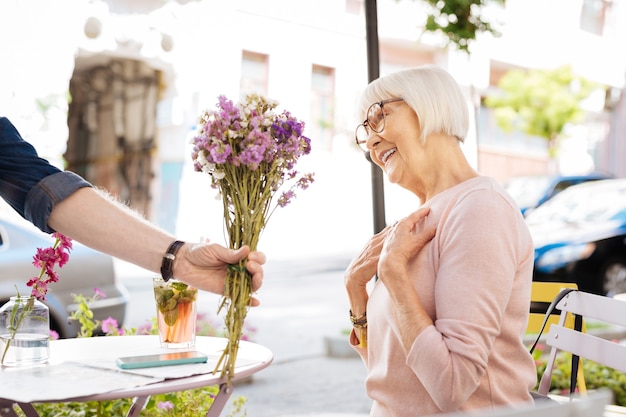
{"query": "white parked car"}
{"type": "Point", "coordinates": [86, 269]}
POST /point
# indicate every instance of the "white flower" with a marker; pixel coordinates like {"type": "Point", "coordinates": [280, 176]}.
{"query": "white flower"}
{"type": "Point", "coordinates": [218, 175]}
{"type": "Point", "coordinates": [201, 159]}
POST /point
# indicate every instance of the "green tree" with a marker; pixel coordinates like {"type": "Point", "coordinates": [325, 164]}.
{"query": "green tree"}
{"type": "Point", "coordinates": [459, 20]}
{"type": "Point", "coordinates": [540, 102]}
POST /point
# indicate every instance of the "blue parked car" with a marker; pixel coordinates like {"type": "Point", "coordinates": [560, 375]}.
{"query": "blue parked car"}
{"type": "Point", "coordinates": [580, 236]}
{"type": "Point", "coordinates": [529, 192]}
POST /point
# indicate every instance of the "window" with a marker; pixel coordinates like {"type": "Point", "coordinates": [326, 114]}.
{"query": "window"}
{"type": "Point", "coordinates": [593, 16]}
{"type": "Point", "coordinates": [321, 126]}
{"type": "Point", "coordinates": [254, 73]}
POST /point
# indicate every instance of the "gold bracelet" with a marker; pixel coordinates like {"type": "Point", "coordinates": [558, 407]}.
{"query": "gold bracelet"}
{"type": "Point", "coordinates": [359, 322]}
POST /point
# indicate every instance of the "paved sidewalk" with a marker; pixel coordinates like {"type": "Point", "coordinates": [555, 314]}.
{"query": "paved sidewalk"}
{"type": "Point", "coordinates": [308, 387]}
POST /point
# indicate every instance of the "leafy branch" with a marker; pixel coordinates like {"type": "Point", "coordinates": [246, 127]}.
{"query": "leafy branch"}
{"type": "Point", "coordinates": [460, 20]}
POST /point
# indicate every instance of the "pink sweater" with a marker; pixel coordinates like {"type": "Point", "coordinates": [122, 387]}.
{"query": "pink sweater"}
{"type": "Point", "coordinates": [474, 280]}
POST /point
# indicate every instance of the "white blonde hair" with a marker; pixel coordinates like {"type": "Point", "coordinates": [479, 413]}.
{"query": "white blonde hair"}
{"type": "Point", "coordinates": [432, 93]}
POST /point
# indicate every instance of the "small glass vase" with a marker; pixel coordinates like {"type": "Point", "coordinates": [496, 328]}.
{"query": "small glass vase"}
{"type": "Point", "coordinates": [24, 332]}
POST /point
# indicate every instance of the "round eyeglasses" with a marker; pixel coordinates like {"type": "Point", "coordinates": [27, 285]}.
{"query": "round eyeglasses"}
{"type": "Point", "coordinates": [375, 122]}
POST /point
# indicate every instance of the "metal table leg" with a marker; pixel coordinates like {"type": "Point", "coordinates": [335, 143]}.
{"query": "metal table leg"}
{"type": "Point", "coordinates": [220, 400]}
{"type": "Point", "coordinates": [6, 409]}
{"type": "Point", "coordinates": [137, 406]}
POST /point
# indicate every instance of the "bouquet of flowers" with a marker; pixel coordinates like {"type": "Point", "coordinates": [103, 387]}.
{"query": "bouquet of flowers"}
{"type": "Point", "coordinates": [250, 151]}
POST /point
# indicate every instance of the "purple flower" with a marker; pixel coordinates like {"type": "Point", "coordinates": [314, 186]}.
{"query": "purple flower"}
{"type": "Point", "coordinates": [144, 329]}
{"type": "Point", "coordinates": [305, 181]}
{"type": "Point", "coordinates": [285, 198]}
{"type": "Point", "coordinates": [251, 156]}
{"type": "Point", "coordinates": [165, 405]}
{"type": "Point", "coordinates": [109, 325]}
{"type": "Point", "coordinates": [99, 293]}
{"type": "Point", "coordinates": [219, 153]}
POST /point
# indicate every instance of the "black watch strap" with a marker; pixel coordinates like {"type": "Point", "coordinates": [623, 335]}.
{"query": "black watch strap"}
{"type": "Point", "coordinates": [168, 260]}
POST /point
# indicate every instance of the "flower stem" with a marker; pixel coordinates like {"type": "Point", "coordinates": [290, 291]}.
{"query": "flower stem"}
{"type": "Point", "coordinates": [17, 321]}
{"type": "Point", "coordinates": [239, 291]}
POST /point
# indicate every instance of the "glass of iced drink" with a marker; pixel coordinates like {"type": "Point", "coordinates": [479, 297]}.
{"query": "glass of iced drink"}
{"type": "Point", "coordinates": [176, 313]}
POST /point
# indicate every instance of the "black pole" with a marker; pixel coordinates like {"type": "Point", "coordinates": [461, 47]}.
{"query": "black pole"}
{"type": "Point", "coordinates": [373, 72]}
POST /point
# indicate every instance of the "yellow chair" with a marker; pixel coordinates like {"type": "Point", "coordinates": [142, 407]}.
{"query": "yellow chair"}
{"type": "Point", "coordinates": [545, 292]}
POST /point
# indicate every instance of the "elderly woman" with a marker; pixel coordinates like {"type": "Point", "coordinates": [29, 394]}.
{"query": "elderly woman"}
{"type": "Point", "coordinates": [441, 328]}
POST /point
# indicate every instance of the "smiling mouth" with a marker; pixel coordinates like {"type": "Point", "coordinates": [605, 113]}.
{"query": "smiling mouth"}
{"type": "Point", "coordinates": [384, 157]}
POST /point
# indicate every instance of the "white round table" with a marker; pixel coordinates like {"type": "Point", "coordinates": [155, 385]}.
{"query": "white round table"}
{"type": "Point", "coordinates": [84, 369]}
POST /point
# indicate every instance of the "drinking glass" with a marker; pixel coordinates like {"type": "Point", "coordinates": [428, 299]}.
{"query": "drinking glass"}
{"type": "Point", "coordinates": [176, 313]}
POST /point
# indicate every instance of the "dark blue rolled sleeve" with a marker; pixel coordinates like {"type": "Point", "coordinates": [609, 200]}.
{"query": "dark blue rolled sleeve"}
{"type": "Point", "coordinates": [29, 183]}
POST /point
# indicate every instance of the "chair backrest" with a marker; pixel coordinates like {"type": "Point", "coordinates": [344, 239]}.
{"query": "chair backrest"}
{"type": "Point", "coordinates": [541, 296]}
{"type": "Point", "coordinates": [602, 351]}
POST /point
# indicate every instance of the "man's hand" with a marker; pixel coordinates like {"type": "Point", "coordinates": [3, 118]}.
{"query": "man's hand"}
{"type": "Point", "coordinates": [205, 265]}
